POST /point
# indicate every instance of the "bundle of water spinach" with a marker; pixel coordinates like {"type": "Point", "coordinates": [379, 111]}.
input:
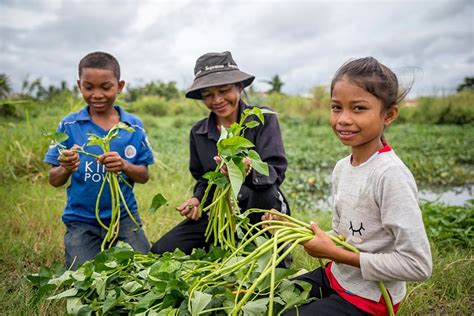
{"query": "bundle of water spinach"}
{"type": "Point", "coordinates": [258, 270]}
{"type": "Point", "coordinates": [232, 147]}
{"type": "Point", "coordinates": [110, 178]}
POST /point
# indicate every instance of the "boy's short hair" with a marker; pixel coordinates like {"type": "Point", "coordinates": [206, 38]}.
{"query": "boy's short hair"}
{"type": "Point", "coordinates": [100, 60]}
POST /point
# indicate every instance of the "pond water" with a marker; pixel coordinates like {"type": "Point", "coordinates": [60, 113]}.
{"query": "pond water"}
{"type": "Point", "coordinates": [449, 196]}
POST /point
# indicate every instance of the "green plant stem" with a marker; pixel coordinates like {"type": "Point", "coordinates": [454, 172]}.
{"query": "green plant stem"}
{"type": "Point", "coordinates": [97, 204]}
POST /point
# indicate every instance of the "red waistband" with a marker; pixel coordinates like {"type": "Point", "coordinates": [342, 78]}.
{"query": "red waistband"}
{"type": "Point", "coordinates": [369, 306]}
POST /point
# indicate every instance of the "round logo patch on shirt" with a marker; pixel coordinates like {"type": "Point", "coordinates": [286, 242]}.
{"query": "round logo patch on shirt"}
{"type": "Point", "coordinates": [130, 151]}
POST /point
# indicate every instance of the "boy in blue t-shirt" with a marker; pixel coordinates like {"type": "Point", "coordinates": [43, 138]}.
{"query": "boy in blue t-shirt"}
{"type": "Point", "coordinates": [130, 154]}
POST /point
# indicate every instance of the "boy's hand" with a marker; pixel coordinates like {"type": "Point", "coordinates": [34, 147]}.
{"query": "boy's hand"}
{"type": "Point", "coordinates": [190, 208]}
{"type": "Point", "coordinates": [224, 170]}
{"type": "Point", "coordinates": [113, 162]}
{"type": "Point", "coordinates": [69, 160]}
{"type": "Point", "coordinates": [321, 246]}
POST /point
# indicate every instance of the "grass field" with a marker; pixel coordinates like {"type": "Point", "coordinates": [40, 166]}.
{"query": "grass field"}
{"type": "Point", "coordinates": [32, 231]}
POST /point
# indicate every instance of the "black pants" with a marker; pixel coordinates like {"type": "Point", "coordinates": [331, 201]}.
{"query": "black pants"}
{"type": "Point", "coordinates": [189, 234]}
{"type": "Point", "coordinates": [328, 303]}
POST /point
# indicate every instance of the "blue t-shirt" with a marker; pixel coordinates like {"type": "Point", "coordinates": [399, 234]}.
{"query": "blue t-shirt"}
{"type": "Point", "coordinates": [85, 183]}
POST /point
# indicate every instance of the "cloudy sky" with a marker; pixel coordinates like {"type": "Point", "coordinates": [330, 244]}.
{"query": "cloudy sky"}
{"type": "Point", "coordinates": [302, 41]}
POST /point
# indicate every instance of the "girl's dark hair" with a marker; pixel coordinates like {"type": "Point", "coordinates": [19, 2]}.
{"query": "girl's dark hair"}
{"type": "Point", "coordinates": [374, 77]}
{"type": "Point", "coordinates": [100, 60]}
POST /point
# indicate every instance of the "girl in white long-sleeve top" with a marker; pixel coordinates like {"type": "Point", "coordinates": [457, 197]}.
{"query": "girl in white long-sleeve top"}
{"type": "Point", "coordinates": [375, 203]}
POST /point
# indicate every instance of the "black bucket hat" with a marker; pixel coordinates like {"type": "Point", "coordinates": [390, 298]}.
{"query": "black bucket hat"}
{"type": "Point", "coordinates": [215, 69]}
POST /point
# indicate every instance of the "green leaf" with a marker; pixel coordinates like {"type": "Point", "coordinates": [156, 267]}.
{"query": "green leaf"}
{"type": "Point", "coordinates": [258, 112]}
{"type": "Point", "coordinates": [255, 308]}
{"type": "Point", "coordinates": [61, 279]}
{"type": "Point", "coordinates": [56, 137]}
{"type": "Point", "coordinates": [122, 125]}
{"type": "Point", "coordinates": [252, 124]}
{"type": "Point", "coordinates": [94, 140]}
{"type": "Point", "coordinates": [158, 201]}
{"type": "Point", "coordinates": [217, 178]}
{"type": "Point", "coordinates": [146, 300]}
{"type": "Point", "coordinates": [235, 176]}
{"type": "Point", "coordinates": [131, 286]}
{"type": "Point", "coordinates": [237, 142]}
{"type": "Point", "coordinates": [198, 253]}
{"type": "Point", "coordinates": [170, 311]}
{"type": "Point", "coordinates": [75, 306]}
{"type": "Point", "coordinates": [67, 293]}
{"type": "Point", "coordinates": [257, 163]}
{"type": "Point", "coordinates": [122, 254]}
{"type": "Point", "coordinates": [100, 286]}
{"type": "Point", "coordinates": [292, 295]}
{"type": "Point", "coordinates": [199, 302]}
{"type": "Point", "coordinates": [233, 146]}
{"type": "Point", "coordinates": [111, 264]}
{"type": "Point", "coordinates": [280, 274]}
{"type": "Point", "coordinates": [235, 129]}
{"type": "Point", "coordinates": [79, 274]}
{"type": "Point", "coordinates": [224, 134]}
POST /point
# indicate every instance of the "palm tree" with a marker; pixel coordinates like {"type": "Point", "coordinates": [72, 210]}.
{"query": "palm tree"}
{"type": "Point", "coordinates": [276, 84]}
{"type": "Point", "coordinates": [5, 86]}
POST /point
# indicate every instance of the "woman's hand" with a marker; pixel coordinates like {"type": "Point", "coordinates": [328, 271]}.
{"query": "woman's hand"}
{"type": "Point", "coordinates": [113, 162]}
{"type": "Point", "coordinates": [69, 160]}
{"type": "Point", "coordinates": [272, 217]}
{"type": "Point", "coordinates": [224, 170]}
{"type": "Point", "coordinates": [190, 208]}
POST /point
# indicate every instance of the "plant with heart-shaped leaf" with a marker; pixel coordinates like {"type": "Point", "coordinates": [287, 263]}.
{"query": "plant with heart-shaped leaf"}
{"type": "Point", "coordinates": [232, 148]}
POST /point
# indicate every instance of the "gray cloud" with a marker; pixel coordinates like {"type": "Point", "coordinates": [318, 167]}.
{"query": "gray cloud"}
{"type": "Point", "coordinates": [302, 41]}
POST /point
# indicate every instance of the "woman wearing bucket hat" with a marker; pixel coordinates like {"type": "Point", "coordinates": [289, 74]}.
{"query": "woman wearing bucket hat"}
{"type": "Point", "coordinates": [219, 84]}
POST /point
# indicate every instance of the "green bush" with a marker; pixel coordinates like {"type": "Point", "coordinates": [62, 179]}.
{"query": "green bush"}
{"type": "Point", "coordinates": [453, 109]}
{"type": "Point", "coordinates": [152, 105]}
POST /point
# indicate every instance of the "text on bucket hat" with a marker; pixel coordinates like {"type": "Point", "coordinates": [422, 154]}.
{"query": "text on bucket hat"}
{"type": "Point", "coordinates": [215, 69]}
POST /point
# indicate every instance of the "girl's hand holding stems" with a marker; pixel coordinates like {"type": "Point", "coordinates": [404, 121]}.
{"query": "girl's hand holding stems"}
{"type": "Point", "coordinates": [321, 245]}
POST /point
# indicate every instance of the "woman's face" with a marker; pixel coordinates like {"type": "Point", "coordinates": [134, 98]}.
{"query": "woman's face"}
{"type": "Point", "coordinates": [223, 100]}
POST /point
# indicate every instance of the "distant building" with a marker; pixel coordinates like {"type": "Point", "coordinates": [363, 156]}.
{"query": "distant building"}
{"type": "Point", "coordinates": [410, 102]}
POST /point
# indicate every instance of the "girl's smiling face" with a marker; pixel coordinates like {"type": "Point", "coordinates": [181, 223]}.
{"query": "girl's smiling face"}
{"type": "Point", "coordinates": [359, 119]}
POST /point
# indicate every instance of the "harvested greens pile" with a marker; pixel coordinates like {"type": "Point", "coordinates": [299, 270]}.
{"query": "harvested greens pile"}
{"type": "Point", "coordinates": [121, 281]}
